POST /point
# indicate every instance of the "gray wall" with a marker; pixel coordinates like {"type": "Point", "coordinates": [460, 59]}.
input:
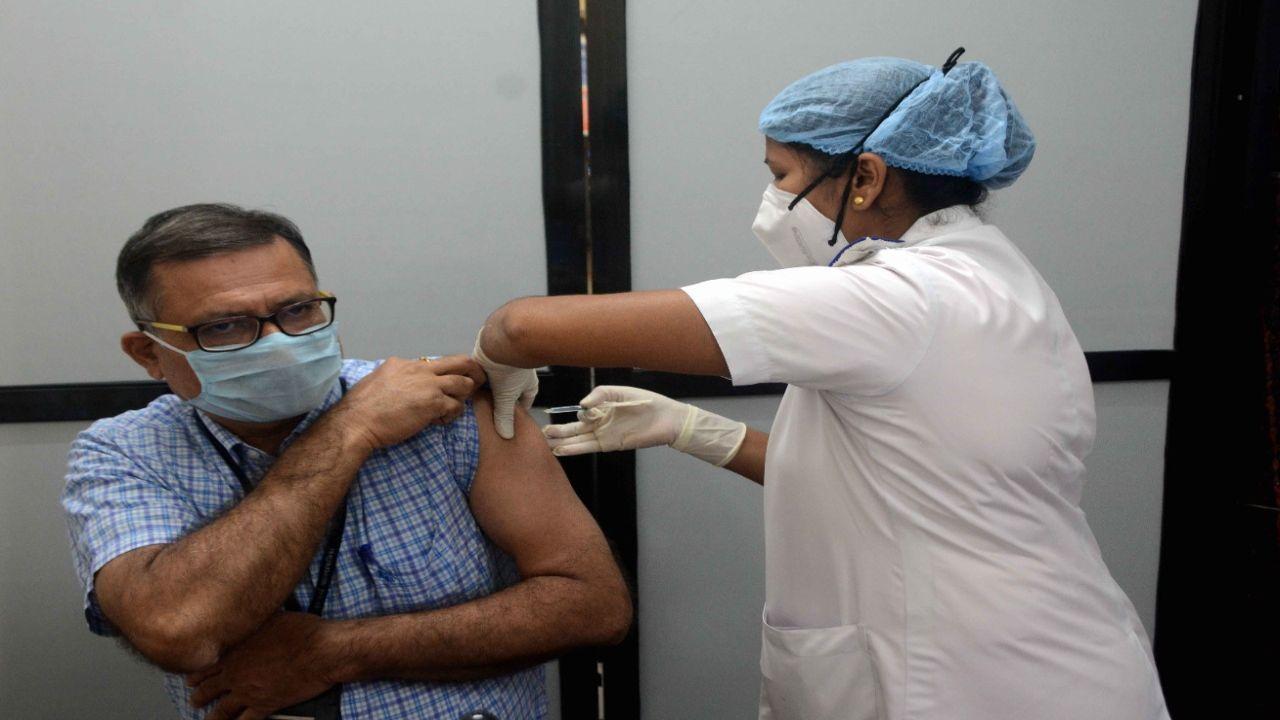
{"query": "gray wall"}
{"type": "Point", "coordinates": [50, 666]}
{"type": "Point", "coordinates": [403, 137]}
{"type": "Point", "coordinates": [1105, 86]}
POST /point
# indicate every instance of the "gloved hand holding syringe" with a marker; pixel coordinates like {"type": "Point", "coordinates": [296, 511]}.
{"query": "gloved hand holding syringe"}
{"type": "Point", "coordinates": [614, 417]}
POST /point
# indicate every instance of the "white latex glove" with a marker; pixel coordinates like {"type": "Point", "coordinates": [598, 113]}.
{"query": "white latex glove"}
{"type": "Point", "coordinates": [626, 418]}
{"type": "Point", "coordinates": [509, 385]}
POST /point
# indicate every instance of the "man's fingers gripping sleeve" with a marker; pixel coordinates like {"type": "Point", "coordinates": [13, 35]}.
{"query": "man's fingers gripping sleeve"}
{"type": "Point", "coordinates": [457, 386]}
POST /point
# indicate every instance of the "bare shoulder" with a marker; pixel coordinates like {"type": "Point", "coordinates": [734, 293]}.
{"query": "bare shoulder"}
{"type": "Point", "coordinates": [528, 441]}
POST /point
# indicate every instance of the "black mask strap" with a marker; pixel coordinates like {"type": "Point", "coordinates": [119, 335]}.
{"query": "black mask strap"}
{"type": "Point", "coordinates": [834, 170]}
{"type": "Point", "coordinates": [844, 204]}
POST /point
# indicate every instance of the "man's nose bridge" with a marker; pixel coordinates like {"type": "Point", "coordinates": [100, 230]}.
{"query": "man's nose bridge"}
{"type": "Point", "coordinates": [269, 327]}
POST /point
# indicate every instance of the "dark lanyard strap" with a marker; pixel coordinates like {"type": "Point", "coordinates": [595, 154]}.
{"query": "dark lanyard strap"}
{"type": "Point", "coordinates": [328, 562]}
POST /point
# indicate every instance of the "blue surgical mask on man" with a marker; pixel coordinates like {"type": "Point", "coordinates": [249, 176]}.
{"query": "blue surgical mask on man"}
{"type": "Point", "coordinates": [278, 377]}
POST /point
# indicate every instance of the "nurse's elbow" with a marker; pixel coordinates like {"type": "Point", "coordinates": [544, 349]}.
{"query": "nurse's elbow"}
{"type": "Point", "coordinates": [509, 331]}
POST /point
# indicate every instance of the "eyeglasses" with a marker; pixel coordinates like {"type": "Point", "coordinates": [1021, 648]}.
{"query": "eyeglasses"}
{"type": "Point", "coordinates": [241, 331]}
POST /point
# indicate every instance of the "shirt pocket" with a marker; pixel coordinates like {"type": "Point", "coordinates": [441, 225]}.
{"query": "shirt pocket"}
{"type": "Point", "coordinates": [407, 569]}
{"type": "Point", "coordinates": [818, 674]}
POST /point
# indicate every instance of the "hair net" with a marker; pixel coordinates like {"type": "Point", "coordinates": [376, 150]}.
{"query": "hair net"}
{"type": "Point", "coordinates": [961, 123]}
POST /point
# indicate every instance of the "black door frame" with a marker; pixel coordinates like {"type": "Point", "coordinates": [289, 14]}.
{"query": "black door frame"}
{"type": "Point", "coordinates": [1218, 635]}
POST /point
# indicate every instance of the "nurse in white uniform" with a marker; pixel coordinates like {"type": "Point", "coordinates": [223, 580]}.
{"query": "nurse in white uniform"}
{"type": "Point", "coordinates": [926, 555]}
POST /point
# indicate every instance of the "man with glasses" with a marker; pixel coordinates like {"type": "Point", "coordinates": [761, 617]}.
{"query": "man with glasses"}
{"type": "Point", "coordinates": [294, 532]}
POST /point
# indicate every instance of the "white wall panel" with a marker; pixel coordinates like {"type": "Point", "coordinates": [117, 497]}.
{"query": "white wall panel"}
{"type": "Point", "coordinates": [701, 577]}
{"type": "Point", "coordinates": [1124, 488]}
{"type": "Point", "coordinates": [1105, 87]}
{"type": "Point", "coordinates": [403, 137]}
{"type": "Point", "coordinates": [50, 665]}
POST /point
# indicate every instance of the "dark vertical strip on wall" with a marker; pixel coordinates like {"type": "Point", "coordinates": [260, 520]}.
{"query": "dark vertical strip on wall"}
{"type": "Point", "coordinates": [1216, 614]}
{"type": "Point", "coordinates": [610, 229]}
{"type": "Point", "coordinates": [564, 200]}
{"type": "Point", "coordinates": [564, 179]}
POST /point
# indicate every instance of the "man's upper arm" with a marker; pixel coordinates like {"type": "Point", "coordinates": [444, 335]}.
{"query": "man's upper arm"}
{"type": "Point", "coordinates": [118, 516]}
{"type": "Point", "coordinates": [524, 503]}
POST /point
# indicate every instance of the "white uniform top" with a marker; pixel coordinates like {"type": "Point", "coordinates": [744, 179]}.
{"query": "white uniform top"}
{"type": "Point", "coordinates": [926, 555]}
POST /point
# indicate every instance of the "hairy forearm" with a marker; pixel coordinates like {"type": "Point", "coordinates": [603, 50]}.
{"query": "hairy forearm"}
{"type": "Point", "coordinates": [657, 330]}
{"type": "Point", "coordinates": [749, 462]}
{"type": "Point", "coordinates": [520, 626]}
{"type": "Point", "coordinates": [209, 590]}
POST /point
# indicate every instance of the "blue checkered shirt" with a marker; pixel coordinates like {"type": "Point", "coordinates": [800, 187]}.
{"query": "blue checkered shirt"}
{"type": "Point", "coordinates": [151, 476]}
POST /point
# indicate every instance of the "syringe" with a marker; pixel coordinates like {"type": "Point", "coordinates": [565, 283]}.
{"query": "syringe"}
{"type": "Point", "coordinates": [602, 406]}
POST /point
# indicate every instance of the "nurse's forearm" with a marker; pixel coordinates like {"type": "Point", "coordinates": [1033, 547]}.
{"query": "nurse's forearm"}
{"type": "Point", "coordinates": [658, 330]}
{"type": "Point", "coordinates": [749, 462]}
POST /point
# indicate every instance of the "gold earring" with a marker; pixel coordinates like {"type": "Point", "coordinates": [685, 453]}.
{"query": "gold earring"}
{"type": "Point", "coordinates": [857, 201]}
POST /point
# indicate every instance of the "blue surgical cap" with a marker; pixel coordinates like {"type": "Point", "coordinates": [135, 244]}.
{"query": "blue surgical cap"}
{"type": "Point", "coordinates": [961, 123]}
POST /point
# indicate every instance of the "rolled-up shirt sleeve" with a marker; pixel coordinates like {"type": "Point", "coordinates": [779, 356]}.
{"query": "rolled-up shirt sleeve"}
{"type": "Point", "coordinates": [114, 505]}
{"type": "Point", "coordinates": [859, 329]}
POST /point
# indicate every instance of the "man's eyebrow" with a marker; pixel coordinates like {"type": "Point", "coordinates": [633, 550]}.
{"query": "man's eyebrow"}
{"type": "Point", "coordinates": [241, 312]}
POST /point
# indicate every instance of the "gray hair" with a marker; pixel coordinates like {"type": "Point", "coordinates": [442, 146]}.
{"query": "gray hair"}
{"type": "Point", "coordinates": [190, 232]}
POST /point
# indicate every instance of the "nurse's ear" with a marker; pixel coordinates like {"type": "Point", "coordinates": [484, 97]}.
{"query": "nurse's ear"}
{"type": "Point", "coordinates": [869, 179]}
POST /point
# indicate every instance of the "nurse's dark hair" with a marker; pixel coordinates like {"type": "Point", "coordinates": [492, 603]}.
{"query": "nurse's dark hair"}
{"type": "Point", "coordinates": [926, 192]}
{"type": "Point", "coordinates": [191, 232]}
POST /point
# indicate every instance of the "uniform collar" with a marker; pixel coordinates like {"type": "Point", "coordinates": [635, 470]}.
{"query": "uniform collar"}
{"type": "Point", "coordinates": [924, 229]}
{"type": "Point", "coordinates": [939, 223]}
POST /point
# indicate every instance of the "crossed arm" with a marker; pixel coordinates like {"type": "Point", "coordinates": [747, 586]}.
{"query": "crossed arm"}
{"type": "Point", "coordinates": [572, 594]}
{"type": "Point", "coordinates": [235, 644]}
{"type": "Point", "coordinates": [183, 604]}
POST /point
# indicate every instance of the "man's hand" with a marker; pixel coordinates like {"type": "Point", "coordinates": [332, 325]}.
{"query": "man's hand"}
{"type": "Point", "coordinates": [279, 665]}
{"type": "Point", "coordinates": [401, 397]}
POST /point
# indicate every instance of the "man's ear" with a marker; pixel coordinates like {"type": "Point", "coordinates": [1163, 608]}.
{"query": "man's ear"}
{"type": "Point", "coordinates": [142, 350]}
{"type": "Point", "coordinates": [869, 181]}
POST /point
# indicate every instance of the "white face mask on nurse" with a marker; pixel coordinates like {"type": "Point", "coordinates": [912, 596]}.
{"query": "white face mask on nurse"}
{"type": "Point", "coordinates": [801, 235]}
